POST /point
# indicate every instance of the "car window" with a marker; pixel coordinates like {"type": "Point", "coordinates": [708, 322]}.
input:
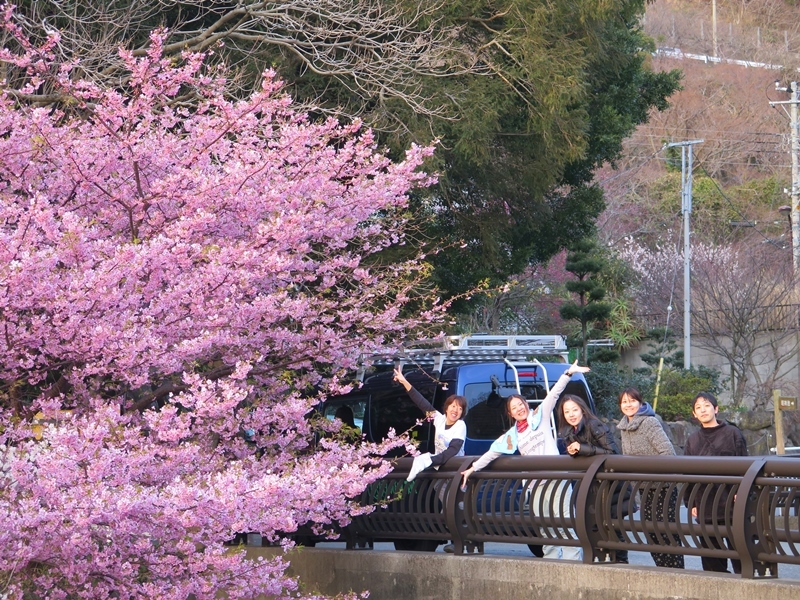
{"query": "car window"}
{"type": "Point", "coordinates": [397, 411]}
{"type": "Point", "coordinates": [486, 416]}
{"type": "Point", "coordinates": [352, 408]}
{"type": "Point", "coordinates": [533, 392]}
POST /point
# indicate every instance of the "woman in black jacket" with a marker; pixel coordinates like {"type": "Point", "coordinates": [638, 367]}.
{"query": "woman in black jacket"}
{"type": "Point", "coordinates": [586, 435]}
{"type": "Point", "coordinates": [583, 433]}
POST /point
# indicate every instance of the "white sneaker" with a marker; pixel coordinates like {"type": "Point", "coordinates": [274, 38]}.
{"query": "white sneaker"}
{"type": "Point", "coordinates": [449, 548]}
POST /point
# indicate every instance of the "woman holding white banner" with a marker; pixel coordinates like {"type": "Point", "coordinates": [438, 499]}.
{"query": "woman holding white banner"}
{"type": "Point", "coordinates": [451, 431]}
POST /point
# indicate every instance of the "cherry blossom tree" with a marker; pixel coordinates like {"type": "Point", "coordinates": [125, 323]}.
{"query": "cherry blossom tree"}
{"type": "Point", "coordinates": [181, 273]}
{"type": "Point", "coordinates": [658, 290]}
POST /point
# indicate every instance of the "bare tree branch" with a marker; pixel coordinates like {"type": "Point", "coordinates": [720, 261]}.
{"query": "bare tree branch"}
{"type": "Point", "coordinates": [375, 49]}
{"type": "Point", "coordinates": [744, 309]}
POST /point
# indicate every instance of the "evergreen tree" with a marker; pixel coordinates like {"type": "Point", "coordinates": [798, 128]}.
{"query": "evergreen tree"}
{"type": "Point", "coordinates": [585, 261]}
{"type": "Point", "coordinates": [526, 98]}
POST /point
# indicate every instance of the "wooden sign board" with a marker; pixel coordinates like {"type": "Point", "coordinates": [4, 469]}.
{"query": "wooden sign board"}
{"type": "Point", "coordinates": [787, 402]}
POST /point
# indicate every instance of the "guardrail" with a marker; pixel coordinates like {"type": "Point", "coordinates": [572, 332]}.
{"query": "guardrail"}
{"type": "Point", "coordinates": [617, 503]}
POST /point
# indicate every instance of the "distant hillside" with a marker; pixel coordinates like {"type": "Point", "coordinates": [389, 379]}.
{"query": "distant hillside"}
{"type": "Point", "coordinates": [745, 150]}
{"type": "Point", "coordinates": [757, 30]}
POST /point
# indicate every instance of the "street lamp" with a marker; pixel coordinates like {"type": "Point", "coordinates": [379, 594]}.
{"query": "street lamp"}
{"type": "Point", "coordinates": [786, 211]}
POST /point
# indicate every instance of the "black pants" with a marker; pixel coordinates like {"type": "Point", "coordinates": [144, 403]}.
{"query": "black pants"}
{"type": "Point", "coordinates": [622, 555]}
{"type": "Point", "coordinates": [650, 501]}
{"type": "Point", "coordinates": [720, 565]}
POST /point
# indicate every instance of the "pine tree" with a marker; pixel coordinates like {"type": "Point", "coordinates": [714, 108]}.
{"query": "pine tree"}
{"type": "Point", "coordinates": [585, 261]}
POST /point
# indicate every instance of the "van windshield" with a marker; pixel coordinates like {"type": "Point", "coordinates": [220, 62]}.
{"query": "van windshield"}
{"type": "Point", "coordinates": [486, 416]}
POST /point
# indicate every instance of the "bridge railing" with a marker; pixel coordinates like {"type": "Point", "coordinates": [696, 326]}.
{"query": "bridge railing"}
{"type": "Point", "coordinates": [747, 507]}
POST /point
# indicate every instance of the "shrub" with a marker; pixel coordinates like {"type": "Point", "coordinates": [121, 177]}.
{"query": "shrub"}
{"type": "Point", "coordinates": [606, 380]}
{"type": "Point", "coordinates": [679, 388]}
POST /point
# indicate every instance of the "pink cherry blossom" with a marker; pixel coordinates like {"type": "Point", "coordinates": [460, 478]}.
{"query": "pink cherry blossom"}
{"type": "Point", "coordinates": [181, 273]}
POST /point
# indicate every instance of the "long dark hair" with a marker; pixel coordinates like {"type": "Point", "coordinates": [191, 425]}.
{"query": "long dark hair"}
{"type": "Point", "coordinates": [515, 397]}
{"type": "Point", "coordinates": [588, 416]}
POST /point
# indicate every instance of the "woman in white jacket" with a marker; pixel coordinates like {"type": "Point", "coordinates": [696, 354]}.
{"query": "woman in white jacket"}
{"type": "Point", "coordinates": [450, 429]}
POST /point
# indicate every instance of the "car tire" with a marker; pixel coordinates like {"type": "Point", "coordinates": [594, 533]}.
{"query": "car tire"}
{"type": "Point", "coordinates": [536, 550]}
{"type": "Point", "coordinates": [416, 545]}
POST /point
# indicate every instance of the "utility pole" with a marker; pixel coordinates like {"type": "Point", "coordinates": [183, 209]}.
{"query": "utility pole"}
{"type": "Point", "coordinates": [686, 209]}
{"type": "Point", "coordinates": [714, 27]}
{"type": "Point", "coordinates": [794, 193]}
{"type": "Point", "coordinates": [794, 217]}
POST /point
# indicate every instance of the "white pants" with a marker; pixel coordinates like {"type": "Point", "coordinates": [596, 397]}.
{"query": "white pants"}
{"type": "Point", "coordinates": [561, 505]}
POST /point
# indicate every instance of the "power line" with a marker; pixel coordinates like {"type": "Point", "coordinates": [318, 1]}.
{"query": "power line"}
{"type": "Point", "coordinates": [725, 131]}
{"type": "Point", "coordinates": [734, 207]}
{"type": "Point", "coordinates": [753, 145]}
{"type": "Point", "coordinates": [730, 140]}
{"type": "Point", "coordinates": [771, 165]}
{"type": "Point", "coordinates": [631, 170]}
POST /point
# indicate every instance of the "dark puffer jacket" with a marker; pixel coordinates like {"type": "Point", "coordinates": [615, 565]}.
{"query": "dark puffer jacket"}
{"type": "Point", "coordinates": [596, 438]}
{"type": "Point", "coordinates": [724, 439]}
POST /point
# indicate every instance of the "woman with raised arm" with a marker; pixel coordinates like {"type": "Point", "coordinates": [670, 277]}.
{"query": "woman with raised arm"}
{"type": "Point", "coordinates": [531, 435]}
{"type": "Point", "coordinates": [450, 429]}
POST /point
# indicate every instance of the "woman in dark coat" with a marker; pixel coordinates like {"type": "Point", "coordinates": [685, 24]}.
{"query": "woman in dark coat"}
{"type": "Point", "coordinates": [586, 435]}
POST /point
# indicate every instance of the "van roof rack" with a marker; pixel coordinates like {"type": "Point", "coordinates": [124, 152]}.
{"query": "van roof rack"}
{"type": "Point", "coordinates": [475, 348]}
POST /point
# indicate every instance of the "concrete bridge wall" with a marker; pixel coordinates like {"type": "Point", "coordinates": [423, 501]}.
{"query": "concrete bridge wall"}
{"type": "Point", "coordinates": [390, 575]}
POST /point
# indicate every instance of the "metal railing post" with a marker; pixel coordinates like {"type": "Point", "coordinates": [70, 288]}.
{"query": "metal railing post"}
{"type": "Point", "coordinates": [587, 525]}
{"type": "Point", "coordinates": [745, 529]}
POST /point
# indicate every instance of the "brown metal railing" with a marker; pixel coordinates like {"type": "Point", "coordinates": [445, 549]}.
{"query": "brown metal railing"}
{"type": "Point", "coordinates": [748, 507]}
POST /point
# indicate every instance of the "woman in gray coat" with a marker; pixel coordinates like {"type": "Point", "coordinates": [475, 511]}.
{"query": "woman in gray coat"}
{"type": "Point", "coordinates": [642, 435]}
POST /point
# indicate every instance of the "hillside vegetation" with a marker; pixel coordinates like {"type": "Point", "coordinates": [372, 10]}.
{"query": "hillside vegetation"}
{"type": "Point", "coordinates": [743, 164]}
{"type": "Point", "coordinates": [744, 300]}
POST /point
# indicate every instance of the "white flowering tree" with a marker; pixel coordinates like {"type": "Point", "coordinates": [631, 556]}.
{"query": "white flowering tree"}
{"type": "Point", "coordinates": [744, 307]}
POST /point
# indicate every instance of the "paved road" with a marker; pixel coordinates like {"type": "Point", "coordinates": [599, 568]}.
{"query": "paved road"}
{"type": "Point", "coordinates": [634, 558]}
